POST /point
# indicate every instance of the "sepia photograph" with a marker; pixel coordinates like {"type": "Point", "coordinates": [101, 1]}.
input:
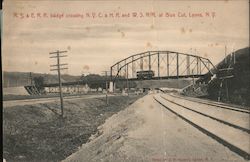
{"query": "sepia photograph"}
{"type": "Point", "coordinates": [125, 81]}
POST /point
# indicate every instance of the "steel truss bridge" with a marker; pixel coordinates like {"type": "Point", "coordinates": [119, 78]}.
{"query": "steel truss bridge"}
{"type": "Point", "coordinates": [165, 64]}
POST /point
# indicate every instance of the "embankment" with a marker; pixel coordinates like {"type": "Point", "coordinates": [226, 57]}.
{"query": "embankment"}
{"type": "Point", "coordinates": [37, 133]}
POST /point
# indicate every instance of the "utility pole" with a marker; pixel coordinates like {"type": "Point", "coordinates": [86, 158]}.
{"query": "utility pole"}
{"type": "Point", "coordinates": [31, 79]}
{"type": "Point", "coordinates": [193, 78]}
{"type": "Point", "coordinates": [225, 54]}
{"type": "Point", "coordinates": [222, 79]}
{"type": "Point", "coordinates": [234, 60]}
{"type": "Point", "coordinates": [225, 74]}
{"type": "Point", "coordinates": [226, 87]}
{"type": "Point", "coordinates": [30, 82]}
{"type": "Point", "coordinates": [58, 68]}
{"type": "Point", "coordinates": [127, 81]}
{"type": "Point", "coordinates": [106, 78]}
{"type": "Point", "coordinates": [219, 96]}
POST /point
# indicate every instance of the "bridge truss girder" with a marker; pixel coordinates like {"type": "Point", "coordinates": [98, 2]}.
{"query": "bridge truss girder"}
{"type": "Point", "coordinates": [163, 63]}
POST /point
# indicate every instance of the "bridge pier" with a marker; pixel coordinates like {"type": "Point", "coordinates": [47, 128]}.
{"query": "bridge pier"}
{"type": "Point", "coordinates": [111, 86]}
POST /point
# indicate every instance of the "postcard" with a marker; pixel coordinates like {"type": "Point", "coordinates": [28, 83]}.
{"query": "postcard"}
{"type": "Point", "coordinates": [122, 80]}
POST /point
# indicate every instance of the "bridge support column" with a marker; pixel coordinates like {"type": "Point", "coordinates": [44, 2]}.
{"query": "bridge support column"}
{"type": "Point", "coordinates": [133, 67]}
{"type": "Point", "coordinates": [149, 61]}
{"type": "Point", "coordinates": [141, 63]}
{"type": "Point", "coordinates": [188, 65]}
{"type": "Point", "coordinates": [111, 86]}
{"type": "Point", "coordinates": [167, 64]}
{"type": "Point", "coordinates": [158, 60]}
{"type": "Point", "coordinates": [197, 65]}
{"type": "Point", "coordinates": [177, 65]}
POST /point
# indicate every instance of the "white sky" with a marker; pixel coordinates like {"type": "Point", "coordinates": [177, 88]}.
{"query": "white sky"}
{"type": "Point", "coordinates": [95, 44]}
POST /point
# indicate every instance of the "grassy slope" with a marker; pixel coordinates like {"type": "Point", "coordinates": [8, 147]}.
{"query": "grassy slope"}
{"type": "Point", "coordinates": [36, 133]}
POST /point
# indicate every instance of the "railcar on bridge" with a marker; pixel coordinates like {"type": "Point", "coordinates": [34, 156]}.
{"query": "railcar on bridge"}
{"type": "Point", "coordinates": [145, 74]}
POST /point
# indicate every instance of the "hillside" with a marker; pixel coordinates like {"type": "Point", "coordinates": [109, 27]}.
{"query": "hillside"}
{"type": "Point", "coordinates": [235, 89]}
{"type": "Point", "coordinates": [17, 79]}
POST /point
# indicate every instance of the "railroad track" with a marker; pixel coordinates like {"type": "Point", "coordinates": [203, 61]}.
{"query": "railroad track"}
{"type": "Point", "coordinates": [230, 134]}
{"type": "Point", "coordinates": [219, 105]}
{"type": "Point", "coordinates": [212, 117]}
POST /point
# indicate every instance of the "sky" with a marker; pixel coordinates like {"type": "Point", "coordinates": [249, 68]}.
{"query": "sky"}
{"type": "Point", "coordinates": [95, 44]}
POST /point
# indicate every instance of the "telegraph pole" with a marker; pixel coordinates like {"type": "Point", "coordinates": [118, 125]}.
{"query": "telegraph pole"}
{"type": "Point", "coordinates": [58, 68]}
{"type": "Point", "coordinates": [106, 77]}
{"type": "Point", "coordinates": [225, 54]}
{"type": "Point", "coordinates": [193, 78]}
{"type": "Point", "coordinates": [225, 74]}
{"type": "Point", "coordinates": [226, 87]}
{"type": "Point", "coordinates": [127, 82]}
{"type": "Point", "coordinates": [31, 79]}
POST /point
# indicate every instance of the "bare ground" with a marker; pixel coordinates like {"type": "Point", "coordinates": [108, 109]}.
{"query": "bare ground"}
{"type": "Point", "coordinates": [146, 131]}
{"type": "Point", "coordinates": [37, 133]}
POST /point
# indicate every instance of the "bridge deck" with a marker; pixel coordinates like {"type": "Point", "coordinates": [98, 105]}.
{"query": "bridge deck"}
{"type": "Point", "coordinates": [123, 79]}
{"type": "Point", "coordinates": [164, 77]}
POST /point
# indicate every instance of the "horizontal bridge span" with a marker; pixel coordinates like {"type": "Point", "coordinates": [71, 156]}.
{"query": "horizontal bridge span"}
{"type": "Point", "coordinates": [165, 77]}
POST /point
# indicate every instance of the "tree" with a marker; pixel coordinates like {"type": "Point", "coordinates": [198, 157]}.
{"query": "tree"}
{"type": "Point", "coordinates": [94, 81]}
{"type": "Point", "coordinates": [39, 82]}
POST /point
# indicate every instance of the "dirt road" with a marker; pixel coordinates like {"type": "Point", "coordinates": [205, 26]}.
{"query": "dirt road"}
{"type": "Point", "coordinates": [146, 131]}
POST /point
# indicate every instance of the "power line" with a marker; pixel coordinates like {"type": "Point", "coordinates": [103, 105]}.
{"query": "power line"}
{"type": "Point", "coordinates": [58, 67]}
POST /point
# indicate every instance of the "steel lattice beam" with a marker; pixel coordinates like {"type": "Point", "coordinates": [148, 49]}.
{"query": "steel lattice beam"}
{"type": "Point", "coordinates": [181, 62]}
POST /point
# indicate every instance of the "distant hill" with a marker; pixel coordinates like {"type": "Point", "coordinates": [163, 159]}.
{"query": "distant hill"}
{"type": "Point", "coordinates": [17, 79]}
